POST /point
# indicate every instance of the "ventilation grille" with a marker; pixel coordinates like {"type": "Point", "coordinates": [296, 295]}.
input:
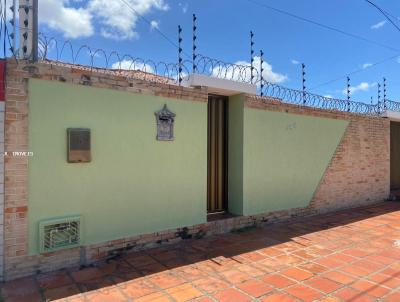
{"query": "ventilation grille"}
{"type": "Point", "coordinates": [62, 233]}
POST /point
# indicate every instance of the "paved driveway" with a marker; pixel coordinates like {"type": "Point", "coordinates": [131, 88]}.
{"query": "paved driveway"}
{"type": "Point", "coordinates": [351, 255]}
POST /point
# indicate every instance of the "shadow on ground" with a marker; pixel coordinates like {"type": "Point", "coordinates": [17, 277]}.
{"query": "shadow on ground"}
{"type": "Point", "coordinates": [348, 255]}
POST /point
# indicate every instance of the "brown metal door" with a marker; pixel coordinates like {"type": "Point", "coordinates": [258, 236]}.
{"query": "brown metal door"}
{"type": "Point", "coordinates": [217, 153]}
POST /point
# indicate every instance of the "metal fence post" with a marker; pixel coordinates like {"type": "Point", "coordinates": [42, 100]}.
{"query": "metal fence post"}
{"type": "Point", "coordinates": [303, 78]}
{"type": "Point", "coordinates": [384, 94]}
{"type": "Point", "coordinates": [251, 57]}
{"type": "Point", "coordinates": [194, 56]}
{"type": "Point", "coordinates": [180, 54]}
{"type": "Point", "coordinates": [348, 94]}
{"type": "Point", "coordinates": [261, 73]}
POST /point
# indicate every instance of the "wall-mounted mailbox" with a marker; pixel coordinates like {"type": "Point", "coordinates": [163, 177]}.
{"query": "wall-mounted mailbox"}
{"type": "Point", "coordinates": [78, 145]}
{"type": "Point", "coordinates": [165, 124]}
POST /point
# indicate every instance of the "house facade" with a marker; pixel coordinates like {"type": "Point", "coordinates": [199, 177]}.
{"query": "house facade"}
{"type": "Point", "coordinates": [112, 163]}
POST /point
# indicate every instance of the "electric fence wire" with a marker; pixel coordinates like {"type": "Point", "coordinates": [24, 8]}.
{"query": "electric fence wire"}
{"type": "Point", "coordinates": [384, 13]}
{"type": "Point", "coordinates": [328, 27]}
{"type": "Point", "coordinates": [127, 4]}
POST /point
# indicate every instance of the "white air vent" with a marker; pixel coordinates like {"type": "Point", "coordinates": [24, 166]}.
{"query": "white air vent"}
{"type": "Point", "coordinates": [60, 233]}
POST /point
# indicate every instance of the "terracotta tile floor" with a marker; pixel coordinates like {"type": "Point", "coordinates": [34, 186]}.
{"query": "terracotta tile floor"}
{"type": "Point", "coordinates": [352, 255]}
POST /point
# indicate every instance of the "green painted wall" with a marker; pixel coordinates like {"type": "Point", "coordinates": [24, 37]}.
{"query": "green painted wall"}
{"type": "Point", "coordinates": [134, 184]}
{"type": "Point", "coordinates": [137, 185]}
{"type": "Point", "coordinates": [235, 154]}
{"type": "Point", "coordinates": [284, 158]}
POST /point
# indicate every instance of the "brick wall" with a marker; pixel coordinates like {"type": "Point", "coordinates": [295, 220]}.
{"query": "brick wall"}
{"type": "Point", "coordinates": [16, 172]}
{"type": "Point", "coordinates": [358, 173]}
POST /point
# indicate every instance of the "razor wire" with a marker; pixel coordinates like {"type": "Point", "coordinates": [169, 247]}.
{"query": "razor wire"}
{"type": "Point", "coordinates": [51, 50]}
{"type": "Point", "coordinates": [392, 105]}
{"type": "Point", "coordinates": [298, 97]}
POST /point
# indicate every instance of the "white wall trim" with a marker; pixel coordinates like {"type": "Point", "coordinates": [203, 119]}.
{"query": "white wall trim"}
{"type": "Point", "coordinates": [219, 86]}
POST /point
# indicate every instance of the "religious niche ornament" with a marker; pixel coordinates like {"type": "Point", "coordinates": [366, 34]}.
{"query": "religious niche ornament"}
{"type": "Point", "coordinates": [165, 124]}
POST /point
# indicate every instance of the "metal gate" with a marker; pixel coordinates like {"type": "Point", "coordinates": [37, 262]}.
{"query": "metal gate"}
{"type": "Point", "coordinates": [217, 153]}
{"type": "Point", "coordinates": [394, 156]}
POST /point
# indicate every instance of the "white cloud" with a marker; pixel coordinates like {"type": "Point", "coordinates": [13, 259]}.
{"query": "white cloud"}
{"type": "Point", "coordinates": [363, 86]}
{"type": "Point", "coordinates": [117, 20]}
{"type": "Point", "coordinates": [366, 65]}
{"type": "Point", "coordinates": [398, 60]}
{"type": "Point", "coordinates": [154, 24]}
{"type": "Point", "coordinates": [295, 62]}
{"type": "Point", "coordinates": [328, 96]}
{"type": "Point", "coordinates": [184, 7]}
{"type": "Point", "coordinates": [379, 25]}
{"type": "Point", "coordinates": [232, 73]}
{"type": "Point", "coordinates": [132, 65]}
{"type": "Point", "coordinates": [72, 22]}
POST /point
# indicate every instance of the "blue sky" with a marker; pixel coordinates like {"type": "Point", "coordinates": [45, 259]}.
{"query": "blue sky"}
{"type": "Point", "coordinates": [223, 33]}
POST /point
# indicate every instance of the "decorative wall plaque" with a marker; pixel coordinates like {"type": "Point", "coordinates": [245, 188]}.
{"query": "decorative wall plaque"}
{"type": "Point", "coordinates": [165, 124]}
